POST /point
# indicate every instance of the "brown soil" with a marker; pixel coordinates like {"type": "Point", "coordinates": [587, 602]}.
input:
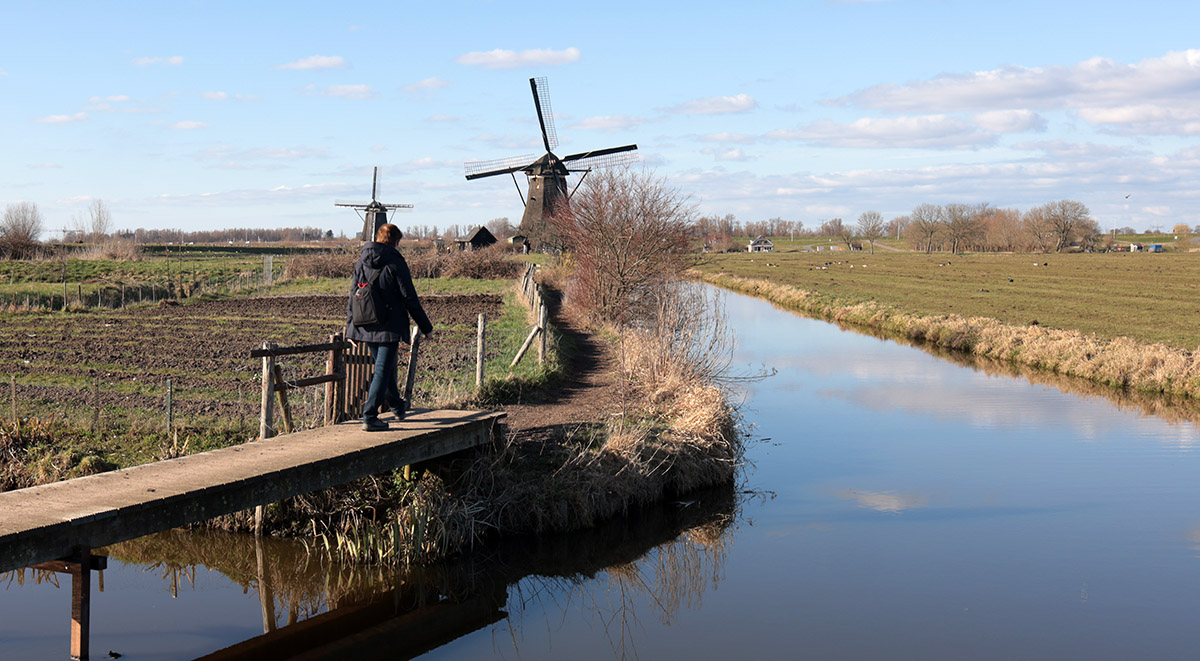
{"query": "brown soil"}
{"type": "Point", "coordinates": [202, 348]}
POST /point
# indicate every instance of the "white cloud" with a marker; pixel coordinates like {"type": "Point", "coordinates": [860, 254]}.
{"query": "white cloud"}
{"type": "Point", "coordinates": [116, 98]}
{"type": "Point", "coordinates": [260, 196]}
{"type": "Point", "coordinates": [146, 61]}
{"type": "Point", "coordinates": [727, 137]}
{"type": "Point", "coordinates": [608, 123]}
{"type": "Point", "coordinates": [215, 96]}
{"type": "Point", "coordinates": [725, 154]}
{"type": "Point", "coordinates": [3, 73]}
{"type": "Point", "coordinates": [232, 155]}
{"type": "Point", "coordinates": [1152, 96]}
{"type": "Point", "coordinates": [1145, 119]}
{"type": "Point", "coordinates": [46, 166]}
{"type": "Point", "coordinates": [444, 118]}
{"type": "Point", "coordinates": [1161, 211]}
{"type": "Point", "coordinates": [62, 119]}
{"type": "Point", "coordinates": [1078, 150]}
{"type": "Point", "coordinates": [342, 91]}
{"type": "Point", "coordinates": [716, 105]}
{"type": "Point", "coordinates": [188, 125]}
{"type": "Point", "coordinates": [427, 163]}
{"type": "Point", "coordinates": [923, 132]}
{"type": "Point", "coordinates": [427, 85]}
{"type": "Point", "coordinates": [506, 59]}
{"type": "Point", "coordinates": [884, 501]}
{"type": "Point", "coordinates": [316, 62]}
{"type": "Point", "coordinates": [1010, 121]}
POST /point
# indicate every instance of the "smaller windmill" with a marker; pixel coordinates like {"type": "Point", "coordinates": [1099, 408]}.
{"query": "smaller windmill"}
{"type": "Point", "coordinates": [374, 212]}
{"type": "Point", "coordinates": [547, 175]}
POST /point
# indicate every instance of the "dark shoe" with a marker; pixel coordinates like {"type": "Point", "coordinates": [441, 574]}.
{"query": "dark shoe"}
{"type": "Point", "coordinates": [374, 424]}
{"type": "Point", "coordinates": [399, 407]}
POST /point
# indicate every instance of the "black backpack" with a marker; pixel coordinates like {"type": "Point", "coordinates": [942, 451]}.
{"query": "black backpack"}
{"type": "Point", "coordinates": [366, 308]}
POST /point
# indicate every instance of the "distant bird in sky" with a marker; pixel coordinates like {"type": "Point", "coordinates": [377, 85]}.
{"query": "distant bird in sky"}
{"type": "Point", "coordinates": [1127, 196]}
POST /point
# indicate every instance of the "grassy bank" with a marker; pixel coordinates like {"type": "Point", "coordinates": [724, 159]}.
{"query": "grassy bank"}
{"type": "Point", "coordinates": [1119, 362]}
{"type": "Point", "coordinates": [1151, 298]}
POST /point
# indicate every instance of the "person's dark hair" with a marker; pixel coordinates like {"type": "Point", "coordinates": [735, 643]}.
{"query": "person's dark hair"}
{"type": "Point", "coordinates": [389, 234]}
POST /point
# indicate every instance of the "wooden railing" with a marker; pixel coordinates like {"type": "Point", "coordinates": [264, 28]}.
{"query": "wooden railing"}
{"type": "Point", "coordinates": [348, 372]}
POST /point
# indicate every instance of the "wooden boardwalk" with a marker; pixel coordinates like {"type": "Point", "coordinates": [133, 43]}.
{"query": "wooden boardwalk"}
{"type": "Point", "coordinates": [52, 521]}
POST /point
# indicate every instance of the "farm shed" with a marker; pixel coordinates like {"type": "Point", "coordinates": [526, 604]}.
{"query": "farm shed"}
{"type": "Point", "coordinates": [477, 239]}
{"type": "Point", "coordinates": [761, 244]}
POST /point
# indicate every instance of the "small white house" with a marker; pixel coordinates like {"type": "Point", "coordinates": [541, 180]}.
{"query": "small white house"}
{"type": "Point", "coordinates": [761, 244]}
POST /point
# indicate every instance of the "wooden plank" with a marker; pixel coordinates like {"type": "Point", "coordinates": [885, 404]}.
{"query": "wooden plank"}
{"type": "Point", "coordinates": [309, 381]}
{"type": "Point", "coordinates": [302, 348]}
{"type": "Point", "coordinates": [42, 523]}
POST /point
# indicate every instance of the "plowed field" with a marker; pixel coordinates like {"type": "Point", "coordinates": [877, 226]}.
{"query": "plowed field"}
{"type": "Point", "coordinates": [122, 359]}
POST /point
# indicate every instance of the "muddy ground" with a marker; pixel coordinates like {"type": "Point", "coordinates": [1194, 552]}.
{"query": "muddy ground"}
{"type": "Point", "coordinates": [123, 358]}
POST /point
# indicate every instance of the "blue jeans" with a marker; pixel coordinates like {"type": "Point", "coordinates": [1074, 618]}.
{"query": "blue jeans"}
{"type": "Point", "coordinates": [383, 383]}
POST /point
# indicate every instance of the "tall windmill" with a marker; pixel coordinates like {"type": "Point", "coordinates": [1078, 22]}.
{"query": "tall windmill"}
{"type": "Point", "coordinates": [547, 176]}
{"type": "Point", "coordinates": [374, 212]}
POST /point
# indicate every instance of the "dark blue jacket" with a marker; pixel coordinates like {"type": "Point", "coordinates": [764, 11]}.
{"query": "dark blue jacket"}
{"type": "Point", "coordinates": [395, 287]}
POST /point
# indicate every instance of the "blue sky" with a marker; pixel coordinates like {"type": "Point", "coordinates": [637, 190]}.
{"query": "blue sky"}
{"type": "Point", "coordinates": [204, 115]}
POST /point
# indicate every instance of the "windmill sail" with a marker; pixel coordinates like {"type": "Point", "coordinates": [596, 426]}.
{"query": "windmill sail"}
{"type": "Point", "coordinates": [547, 175]}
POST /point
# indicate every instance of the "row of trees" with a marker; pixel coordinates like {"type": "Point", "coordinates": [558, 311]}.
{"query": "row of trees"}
{"type": "Point", "coordinates": [1051, 227]}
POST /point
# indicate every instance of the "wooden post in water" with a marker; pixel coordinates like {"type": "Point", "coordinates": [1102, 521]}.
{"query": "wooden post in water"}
{"type": "Point", "coordinates": [479, 350]}
{"type": "Point", "coordinates": [81, 603]}
{"type": "Point", "coordinates": [411, 376]}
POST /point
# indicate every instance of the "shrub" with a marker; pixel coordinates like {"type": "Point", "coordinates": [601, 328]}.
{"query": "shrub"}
{"type": "Point", "coordinates": [630, 235]}
{"type": "Point", "coordinates": [327, 264]}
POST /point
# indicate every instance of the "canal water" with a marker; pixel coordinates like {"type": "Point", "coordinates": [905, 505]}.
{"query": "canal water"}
{"type": "Point", "coordinates": [897, 505]}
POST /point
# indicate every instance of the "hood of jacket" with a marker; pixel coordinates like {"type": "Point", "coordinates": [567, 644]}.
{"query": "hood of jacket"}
{"type": "Point", "coordinates": [377, 255]}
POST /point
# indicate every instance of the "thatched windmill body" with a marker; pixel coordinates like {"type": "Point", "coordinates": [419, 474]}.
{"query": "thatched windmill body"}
{"type": "Point", "coordinates": [547, 176]}
{"type": "Point", "coordinates": [374, 212]}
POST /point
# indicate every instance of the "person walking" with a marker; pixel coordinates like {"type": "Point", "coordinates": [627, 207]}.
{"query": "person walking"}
{"type": "Point", "coordinates": [383, 268]}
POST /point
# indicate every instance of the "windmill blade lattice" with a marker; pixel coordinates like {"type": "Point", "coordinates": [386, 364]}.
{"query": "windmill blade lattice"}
{"type": "Point", "coordinates": [477, 169]}
{"type": "Point", "coordinates": [541, 100]}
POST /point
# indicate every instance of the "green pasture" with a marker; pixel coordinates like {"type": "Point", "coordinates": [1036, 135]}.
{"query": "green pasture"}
{"type": "Point", "coordinates": [1148, 297]}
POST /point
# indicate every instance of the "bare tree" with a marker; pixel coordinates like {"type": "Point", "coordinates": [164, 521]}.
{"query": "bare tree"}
{"type": "Point", "coordinates": [897, 226]}
{"type": "Point", "coordinates": [926, 225]}
{"type": "Point", "coordinates": [1067, 221]}
{"type": "Point", "coordinates": [870, 227]}
{"type": "Point", "coordinates": [20, 230]}
{"type": "Point", "coordinates": [1038, 228]}
{"type": "Point", "coordinates": [99, 221]}
{"type": "Point", "coordinates": [962, 224]}
{"type": "Point", "coordinates": [837, 229]}
{"type": "Point", "coordinates": [501, 228]}
{"type": "Point", "coordinates": [629, 234]}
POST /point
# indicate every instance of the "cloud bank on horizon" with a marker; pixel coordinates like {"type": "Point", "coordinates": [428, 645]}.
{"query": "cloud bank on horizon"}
{"type": "Point", "coordinates": [804, 112]}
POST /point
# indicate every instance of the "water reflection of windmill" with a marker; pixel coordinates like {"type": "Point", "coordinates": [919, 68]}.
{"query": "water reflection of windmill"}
{"type": "Point", "coordinates": [548, 174]}
{"type": "Point", "coordinates": [374, 212]}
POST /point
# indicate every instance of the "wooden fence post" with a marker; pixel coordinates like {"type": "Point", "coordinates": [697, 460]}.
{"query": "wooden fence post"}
{"type": "Point", "coordinates": [479, 350]}
{"type": "Point", "coordinates": [411, 377]}
{"type": "Point", "coordinates": [268, 381]}
{"type": "Point", "coordinates": [285, 410]}
{"type": "Point", "coordinates": [333, 366]}
{"type": "Point", "coordinates": [542, 339]}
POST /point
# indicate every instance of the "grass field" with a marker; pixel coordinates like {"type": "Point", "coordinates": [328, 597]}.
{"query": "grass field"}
{"type": "Point", "coordinates": [1147, 297]}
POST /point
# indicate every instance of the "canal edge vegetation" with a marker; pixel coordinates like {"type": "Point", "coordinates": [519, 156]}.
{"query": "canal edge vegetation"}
{"type": "Point", "coordinates": [674, 430]}
{"type": "Point", "coordinates": [1118, 363]}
